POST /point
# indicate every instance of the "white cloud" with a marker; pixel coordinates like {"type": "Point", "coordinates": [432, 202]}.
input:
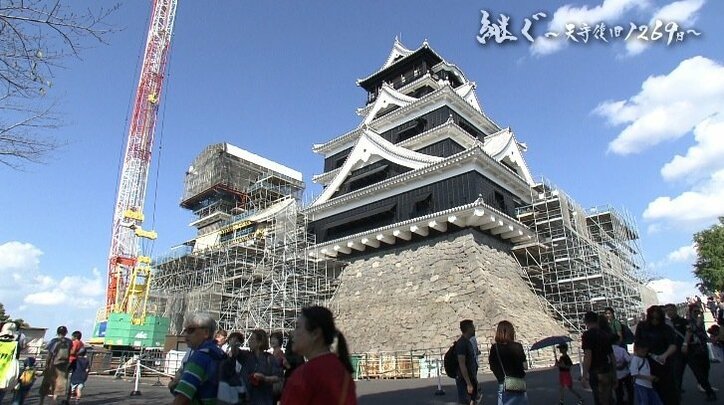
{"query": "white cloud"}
{"type": "Point", "coordinates": [27, 291]}
{"type": "Point", "coordinates": [699, 206]}
{"type": "Point", "coordinates": [75, 291]}
{"type": "Point", "coordinates": [668, 106]}
{"type": "Point", "coordinates": [674, 291]}
{"type": "Point", "coordinates": [683, 254]}
{"type": "Point", "coordinates": [609, 11]}
{"type": "Point", "coordinates": [19, 256]}
{"type": "Point", "coordinates": [683, 12]}
{"type": "Point", "coordinates": [706, 155]}
{"type": "Point", "coordinates": [45, 298]}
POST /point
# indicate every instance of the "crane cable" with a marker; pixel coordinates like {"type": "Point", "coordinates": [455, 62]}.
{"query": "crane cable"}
{"type": "Point", "coordinates": [162, 122]}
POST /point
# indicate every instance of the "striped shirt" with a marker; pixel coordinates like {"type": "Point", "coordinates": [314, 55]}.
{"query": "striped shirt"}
{"type": "Point", "coordinates": [199, 381]}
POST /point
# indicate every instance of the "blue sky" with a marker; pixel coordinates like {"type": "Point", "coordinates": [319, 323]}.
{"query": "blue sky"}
{"type": "Point", "coordinates": [619, 124]}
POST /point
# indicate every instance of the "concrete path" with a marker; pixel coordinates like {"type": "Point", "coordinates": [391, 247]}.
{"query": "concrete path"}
{"type": "Point", "coordinates": [542, 389]}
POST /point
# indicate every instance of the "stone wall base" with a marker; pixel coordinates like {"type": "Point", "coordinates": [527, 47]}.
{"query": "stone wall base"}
{"type": "Point", "coordinates": [414, 296]}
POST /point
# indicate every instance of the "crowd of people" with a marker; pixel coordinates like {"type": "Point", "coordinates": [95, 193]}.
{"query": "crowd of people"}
{"type": "Point", "coordinates": [664, 345]}
{"type": "Point", "coordinates": [216, 369]}
{"type": "Point", "coordinates": [64, 375]}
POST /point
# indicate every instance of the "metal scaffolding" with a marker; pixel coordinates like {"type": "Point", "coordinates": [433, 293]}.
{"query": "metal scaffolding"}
{"type": "Point", "coordinates": [583, 260]}
{"type": "Point", "coordinates": [250, 264]}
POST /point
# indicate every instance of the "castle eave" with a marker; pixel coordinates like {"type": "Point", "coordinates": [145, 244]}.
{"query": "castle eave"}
{"type": "Point", "coordinates": [449, 129]}
{"type": "Point", "coordinates": [475, 158]}
{"type": "Point", "coordinates": [475, 215]}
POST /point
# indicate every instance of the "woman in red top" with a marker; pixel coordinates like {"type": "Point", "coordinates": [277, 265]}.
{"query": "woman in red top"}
{"type": "Point", "coordinates": [326, 377]}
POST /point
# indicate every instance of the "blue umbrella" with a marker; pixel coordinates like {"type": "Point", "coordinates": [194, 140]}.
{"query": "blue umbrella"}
{"type": "Point", "coordinates": [550, 341]}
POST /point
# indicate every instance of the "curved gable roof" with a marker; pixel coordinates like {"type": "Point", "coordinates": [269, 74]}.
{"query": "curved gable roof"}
{"type": "Point", "coordinates": [502, 146]}
{"type": "Point", "coordinates": [368, 144]}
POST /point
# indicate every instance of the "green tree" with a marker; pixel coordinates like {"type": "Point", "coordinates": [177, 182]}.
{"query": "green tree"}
{"type": "Point", "coordinates": [3, 316]}
{"type": "Point", "coordinates": [709, 265]}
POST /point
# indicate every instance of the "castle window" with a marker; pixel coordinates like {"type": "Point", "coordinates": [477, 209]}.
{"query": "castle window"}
{"type": "Point", "coordinates": [500, 201]}
{"type": "Point", "coordinates": [423, 206]}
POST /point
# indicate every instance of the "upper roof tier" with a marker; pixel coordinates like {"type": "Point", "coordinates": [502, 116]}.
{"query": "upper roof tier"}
{"type": "Point", "coordinates": [228, 167]}
{"type": "Point", "coordinates": [400, 61]}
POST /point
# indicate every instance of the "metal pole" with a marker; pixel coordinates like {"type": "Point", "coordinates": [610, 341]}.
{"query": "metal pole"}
{"type": "Point", "coordinates": [158, 375]}
{"type": "Point", "coordinates": [439, 391]}
{"type": "Point", "coordinates": [135, 391]}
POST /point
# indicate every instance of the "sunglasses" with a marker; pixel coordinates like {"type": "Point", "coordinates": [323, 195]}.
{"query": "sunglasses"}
{"type": "Point", "coordinates": [191, 329]}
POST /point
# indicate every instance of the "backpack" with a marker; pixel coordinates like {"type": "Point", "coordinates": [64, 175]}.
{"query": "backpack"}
{"type": "Point", "coordinates": [27, 377]}
{"type": "Point", "coordinates": [231, 385]}
{"type": "Point", "coordinates": [450, 362]}
{"type": "Point", "coordinates": [628, 336]}
{"type": "Point", "coordinates": [61, 351]}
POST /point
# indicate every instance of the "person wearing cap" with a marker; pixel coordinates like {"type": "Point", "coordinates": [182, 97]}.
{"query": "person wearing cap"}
{"type": "Point", "coordinates": [8, 357]}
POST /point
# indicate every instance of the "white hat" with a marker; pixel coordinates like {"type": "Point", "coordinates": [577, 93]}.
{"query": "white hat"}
{"type": "Point", "coordinates": [8, 329]}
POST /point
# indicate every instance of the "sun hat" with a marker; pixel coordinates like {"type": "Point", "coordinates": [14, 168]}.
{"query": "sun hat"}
{"type": "Point", "coordinates": [8, 329]}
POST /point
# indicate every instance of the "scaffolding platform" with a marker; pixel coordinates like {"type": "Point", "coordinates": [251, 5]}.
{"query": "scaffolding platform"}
{"type": "Point", "coordinates": [582, 260]}
{"type": "Point", "coordinates": [249, 264]}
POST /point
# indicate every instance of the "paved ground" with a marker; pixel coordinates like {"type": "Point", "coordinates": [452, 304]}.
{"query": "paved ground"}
{"type": "Point", "coordinates": [542, 389]}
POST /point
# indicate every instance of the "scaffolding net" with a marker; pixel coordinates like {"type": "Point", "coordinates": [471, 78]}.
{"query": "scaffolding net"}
{"type": "Point", "coordinates": [250, 264]}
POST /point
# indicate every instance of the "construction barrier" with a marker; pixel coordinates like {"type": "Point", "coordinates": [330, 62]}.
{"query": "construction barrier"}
{"type": "Point", "coordinates": [427, 363]}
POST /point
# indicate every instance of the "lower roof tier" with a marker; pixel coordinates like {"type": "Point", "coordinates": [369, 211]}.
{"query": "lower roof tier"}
{"type": "Point", "coordinates": [466, 199]}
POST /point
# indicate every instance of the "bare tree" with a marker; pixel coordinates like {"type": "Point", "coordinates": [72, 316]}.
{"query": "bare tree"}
{"type": "Point", "coordinates": [36, 36]}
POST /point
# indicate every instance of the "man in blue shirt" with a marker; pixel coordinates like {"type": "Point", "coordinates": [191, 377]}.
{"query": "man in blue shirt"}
{"type": "Point", "coordinates": [199, 381]}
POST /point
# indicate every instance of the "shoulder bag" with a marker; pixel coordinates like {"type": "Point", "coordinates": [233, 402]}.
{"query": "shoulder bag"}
{"type": "Point", "coordinates": [510, 384]}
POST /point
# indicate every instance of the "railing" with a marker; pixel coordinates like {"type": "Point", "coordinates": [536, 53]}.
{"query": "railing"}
{"type": "Point", "coordinates": [428, 363]}
{"type": "Point", "coordinates": [173, 254]}
{"type": "Point", "coordinates": [418, 363]}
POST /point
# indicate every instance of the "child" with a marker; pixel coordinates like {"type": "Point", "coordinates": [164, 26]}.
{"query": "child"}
{"type": "Point", "coordinates": [564, 365]}
{"type": "Point", "coordinates": [623, 375]}
{"type": "Point", "coordinates": [641, 373]}
{"type": "Point", "coordinates": [81, 368]}
{"type": "Point", "coordinates": [25, 381]}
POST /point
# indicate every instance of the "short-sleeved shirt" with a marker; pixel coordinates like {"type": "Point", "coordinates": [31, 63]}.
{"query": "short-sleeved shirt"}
{"type": "Point", "coordinates": [679, 325]}
{"type": "Point", "coordinates": [699, 337]}
{"type": "Point", "coordinates": [617, 329]}
{"type": "Point", "coordinates": [659, 337]}
{"type": "Point", "coordinates": [321, 380]}
{"type": "Point", "coordinates": [266, 365]}
{"type": "Point", "coordinates": [640, 366]}
{"type": "Point", "coordinates": [199, 381]}
{"type": "Point", "coordinates": [623, 360]}
{"type": "Point", "coordinates": [507, 360]}
{"type": "Point", "coordinates": [564, 363]}
{"type": "Point", "coordinates": [599, 343]}
{"type": "Point", "coordinates": [463, 347]}
{"type": "Point", "coordinates": [75, 347]}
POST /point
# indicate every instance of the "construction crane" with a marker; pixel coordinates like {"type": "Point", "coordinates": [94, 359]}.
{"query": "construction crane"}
{"type": "Point", "coordinates": [129, 273]}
